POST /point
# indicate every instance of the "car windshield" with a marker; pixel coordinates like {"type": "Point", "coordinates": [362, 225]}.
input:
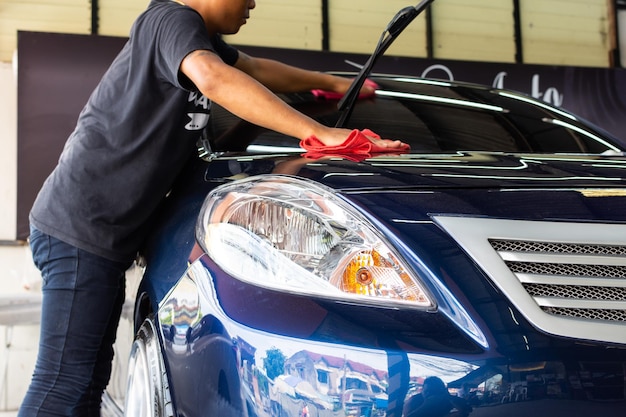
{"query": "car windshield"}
{"type": "Point", "coordinates": [434, 117]}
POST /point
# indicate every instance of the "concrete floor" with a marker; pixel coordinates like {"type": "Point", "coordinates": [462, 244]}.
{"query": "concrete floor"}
{"type": "Point", "coordinates": [19, 328]}
{"type": "Point", "coordinates": [20, 310]}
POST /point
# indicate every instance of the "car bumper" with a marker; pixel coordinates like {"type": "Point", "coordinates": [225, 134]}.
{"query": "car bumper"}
{"type": "Point", "coordinates": [249, 352]}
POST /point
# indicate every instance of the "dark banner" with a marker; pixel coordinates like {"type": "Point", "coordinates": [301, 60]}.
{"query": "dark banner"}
{"type": "Point", "coordinates": [57, 72]}
{"type": "Point", "coordinates": [595, 94]}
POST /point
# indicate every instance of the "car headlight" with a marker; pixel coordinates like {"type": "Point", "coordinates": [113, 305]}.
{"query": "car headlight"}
{"type": "Point", "coordinates": [294, 235]}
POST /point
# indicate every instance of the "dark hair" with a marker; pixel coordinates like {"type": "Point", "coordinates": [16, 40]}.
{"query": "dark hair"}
{"type": "Point", "coordinates": [433, 386]}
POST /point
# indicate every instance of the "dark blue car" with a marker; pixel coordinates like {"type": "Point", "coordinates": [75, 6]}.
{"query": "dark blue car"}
{"type": "Point", "coordinates": [492, 256]}
{"type": "Point", "coordinates": [482, 273]}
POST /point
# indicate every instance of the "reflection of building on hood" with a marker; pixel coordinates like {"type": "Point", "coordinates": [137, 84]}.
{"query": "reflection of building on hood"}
{"type": "Point", "coordinates": [298, 388]}
{"type": "Point", "coordinates": [339, 374]}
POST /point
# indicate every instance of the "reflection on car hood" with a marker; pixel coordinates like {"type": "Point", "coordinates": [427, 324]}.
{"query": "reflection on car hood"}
{"type": "Point", "coordinates": [459, 170]}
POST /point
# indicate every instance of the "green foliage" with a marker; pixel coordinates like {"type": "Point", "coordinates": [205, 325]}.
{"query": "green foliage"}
{"type": "Point", "coordinates": [274, 363]}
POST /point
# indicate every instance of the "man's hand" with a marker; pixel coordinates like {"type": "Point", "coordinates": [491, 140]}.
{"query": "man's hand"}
{"type": "Point", "coordinates": [283, 78]}
{"type": "Point", "coordinates": [342, 85]}
{"type": "Point", "coordinates": [337, 136]}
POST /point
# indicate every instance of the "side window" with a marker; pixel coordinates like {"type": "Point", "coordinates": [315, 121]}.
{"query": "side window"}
{"type": "Point", "coordinates": [428, 126]}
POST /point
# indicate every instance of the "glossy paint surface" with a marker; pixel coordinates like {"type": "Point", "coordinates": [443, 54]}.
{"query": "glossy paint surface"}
{"type": "Point", "coordinates": [232, 348]}
{"type": "Point", "coordinates": [226, 332]}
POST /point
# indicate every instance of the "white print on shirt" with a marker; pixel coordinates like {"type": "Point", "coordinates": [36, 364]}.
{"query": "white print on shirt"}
{"type": "Point", "coordinates": [199, 100]}
{"type": "Point", "coordinates": [198, 121]}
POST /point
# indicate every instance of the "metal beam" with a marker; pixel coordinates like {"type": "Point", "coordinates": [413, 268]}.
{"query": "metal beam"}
{"type": "Point", "coordinates": [95, 9]}
{"type": "Point", "coordinates": [325, 26]}
{"type": "Point", "coordinates": [517, 18]}
{"type": "Point", "coordinates": [430, 41]}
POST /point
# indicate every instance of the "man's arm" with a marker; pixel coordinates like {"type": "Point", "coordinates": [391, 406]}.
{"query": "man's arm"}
{"type": "Point", "coordinates": [244, 96]}
{"type": "Point", "coordinates": [283, 78]}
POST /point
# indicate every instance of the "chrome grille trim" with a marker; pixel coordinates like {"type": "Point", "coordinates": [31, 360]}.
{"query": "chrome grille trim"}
{"type": "Point", "coordinates": [576, 292]}
{"type": "Point", "coordinates": [614, 315]}
{"type": "Point", "coordinates": [581, 304]}
{"type": "Point", "coordinates": [552, 247]}
{"type": "Point", "coordinates": [571, 280]}
{"type": "Point", "coordinates": [564, 259]}
{"type": "Point", "coordinates": [567, 279]}
{"type": "Point", "coordinates": [568, 267]}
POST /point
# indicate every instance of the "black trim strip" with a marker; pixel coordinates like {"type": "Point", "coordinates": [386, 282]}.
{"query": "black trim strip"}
{"type": "Point", "coordinates": [95, 9]}
{"type": "Point", "coordinates": [517, 16]}
{"type": "Point", "coordinates": [430, 41]}
{"type": "Point", "coordinates": [325, 26]}
{"type": "Point", "coordinates": [616, 56]}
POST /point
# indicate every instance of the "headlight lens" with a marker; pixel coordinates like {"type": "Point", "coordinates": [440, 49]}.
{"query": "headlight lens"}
{"type": "Point", "coordinates": [293, 235]}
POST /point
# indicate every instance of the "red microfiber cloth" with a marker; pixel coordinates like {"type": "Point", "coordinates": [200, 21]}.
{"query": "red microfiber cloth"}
{"type": "Point", "coordinates": [331, 95]}
{"type": "Point", "coordinates": [356, 143]}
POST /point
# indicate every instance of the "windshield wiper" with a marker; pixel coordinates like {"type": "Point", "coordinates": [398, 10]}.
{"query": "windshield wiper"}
{"type": "Point", "coordinates": [399, 22]}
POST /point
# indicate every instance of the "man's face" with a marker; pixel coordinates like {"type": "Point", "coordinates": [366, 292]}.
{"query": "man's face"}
{"type": "Point", "coordinates": [227, 16]}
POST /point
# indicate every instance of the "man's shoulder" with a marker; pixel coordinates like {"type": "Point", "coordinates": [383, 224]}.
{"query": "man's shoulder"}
{"type": "Point", "coordinates": [170, 8]}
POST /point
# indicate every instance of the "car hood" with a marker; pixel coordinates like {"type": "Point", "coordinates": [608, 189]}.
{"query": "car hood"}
{"type": "Point", "coordinates": [472, 170]}
{"type": "Point", "coordinates": [514, 186]}
{"type": "Point", "coordinates": [436, 210]}
{"type": "Point", "coordinates": [447, 214]}
{"type": "Point", "coordinates": [576, 188]}
{"type": "Point", "coordinates": [419, 171]}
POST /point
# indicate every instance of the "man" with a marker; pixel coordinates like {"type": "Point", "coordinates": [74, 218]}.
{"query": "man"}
{"type": "Point", "coordinates": [435, 401]}
{"type": "Point", "coordinates": [132, 138]}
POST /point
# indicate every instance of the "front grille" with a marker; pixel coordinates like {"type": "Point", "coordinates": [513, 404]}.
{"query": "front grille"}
{"type": "Point", "coordinates": [565, 278]}
{"type": "Point", "coordinates": [554, 247]}
{"type": "Point", "coordinates": [586, 313]}
{"type": "Point", "coordinates": [577, 292]}
{"type": "Point", "coordinates": [564, 269]}
{"type": "Point", "coordinates": [563, 287]}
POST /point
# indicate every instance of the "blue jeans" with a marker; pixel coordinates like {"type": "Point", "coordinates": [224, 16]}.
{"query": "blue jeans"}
{"type": "Point", "coordinates": [83, 296]}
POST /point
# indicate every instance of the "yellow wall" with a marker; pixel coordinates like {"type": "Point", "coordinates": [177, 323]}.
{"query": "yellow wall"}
{"type": "Point", "coordinates": [557, 32]}
{"type": "Point", "coordinates": [566, 32]}
{"type": "Point", "coordinates": [477, 30]}
{"type": "Point", "coordinates": [72, 16]}
{"type": "Point", "coordinates": [356, 27]}
{"type": "Point", "coordinates": [117, 16]}
{"type": "Point", "coordinates": [283, 24]}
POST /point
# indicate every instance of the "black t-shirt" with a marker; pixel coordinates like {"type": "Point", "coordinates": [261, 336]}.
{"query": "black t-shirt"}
{"type": "Point", "coordinates": [132, 138]}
